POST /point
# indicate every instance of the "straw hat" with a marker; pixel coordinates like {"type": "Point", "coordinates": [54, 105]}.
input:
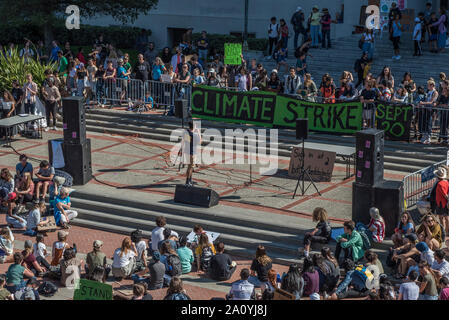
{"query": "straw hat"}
{"type": "Point", "coordinates": [441, 173]}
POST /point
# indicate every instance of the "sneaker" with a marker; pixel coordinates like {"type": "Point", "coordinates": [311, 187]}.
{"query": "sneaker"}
{"type": "Point", "coordinates": [398, 57]}
{"type": "Point", "coordinates": [427, 141]}
{"type": "Point", "coordinates": [46, 129]}
{"type": "Point", "coordinates": [54, 128]}
{"type": "Point", "coordinates": [393, 57]}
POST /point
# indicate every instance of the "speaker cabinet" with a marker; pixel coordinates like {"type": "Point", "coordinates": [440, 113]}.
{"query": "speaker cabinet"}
{"type": "Point", "coordinates": [78, 161]}
{"type": "Point", "coordinates": [202, 197]}
{"type": "Point", "coordinates": [370, 156]}
{"type": "Point", "coordinates": [302, 129]}
{"type": "Point", "coordinates": [362, 201]}
{"type": "Point", "coordinates": [74, 120]}
{"type": "Point", "coordinates": [389, 199]}
{"type": "Point", "coordinates": [181, 108]}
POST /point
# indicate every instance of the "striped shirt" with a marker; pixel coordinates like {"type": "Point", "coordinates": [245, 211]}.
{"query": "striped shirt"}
{"type": "Point", "coordinates": [379, 233]}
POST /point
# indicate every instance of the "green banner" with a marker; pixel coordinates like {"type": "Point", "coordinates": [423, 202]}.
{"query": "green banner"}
{"type": "Point", "coordinates": [395, 120]}
{"type": "Point", "coordinates": [269, 109]}
{"type": "Point", "coordinates": [233, 52]}
{"type": "Point", "coordinates": [92, 290]}
{"type": "Point", "coordinates": [337, 117]}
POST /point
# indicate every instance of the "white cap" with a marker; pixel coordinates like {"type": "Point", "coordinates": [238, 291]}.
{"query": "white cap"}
{"type": "Point", "coordinates": [298, 9]}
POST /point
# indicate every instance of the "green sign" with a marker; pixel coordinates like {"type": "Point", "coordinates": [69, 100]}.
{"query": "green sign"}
{"type": "Point", "coordinates": [269, 109]}
{"type": "Point", "coordinates": [233, 52]}
{"type": "Point", "coordinates": [92, 290]}
{"type": "Point", "coordinates": [395, 120]}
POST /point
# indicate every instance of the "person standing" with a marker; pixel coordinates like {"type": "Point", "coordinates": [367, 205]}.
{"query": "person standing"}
{"type": "Point", "coordinates": [54, 52]}
{"type": "Point", "coordinates": [297, 22]}
{"type": "Point", "coordinates": [314, 21]}
{"type": "Point", "coordinates": [442, 29]}
{"type": "Point", "coordinates": [426, 107]}
{"type": "Point", "coordinates": [30, 92]}
{"type": "Point", "coordinates": [326, 28]}
{"type": "Point", "coordinates": [273, 36]}
{"type": "Point", "coordinates": [417, 36]}
{"type": "Point", "coordinates": [392, 14]}
{"type": "Point", "coordinates": [191, 140]}
{"type": "Point", "coordinates": [368, 43]}
{"type": "Point", "coordinates": [203, 47]}
{"type": "Point", "coordinates": [51, 98]}
{"type": "Point", "coordinates": [284, 33]}
{"type": "Point", "coordinates": [396, 32]}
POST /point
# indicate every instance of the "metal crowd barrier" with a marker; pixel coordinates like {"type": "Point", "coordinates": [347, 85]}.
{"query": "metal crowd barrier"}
{"type": "Point", "coordinates": [122, 90]}
{"type": "Point", "coordinates": [415, 187]}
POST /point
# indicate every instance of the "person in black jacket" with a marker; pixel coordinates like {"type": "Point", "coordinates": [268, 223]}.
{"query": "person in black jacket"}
{"type": "Point", "coordinates": [321, 233]}
{"type": "Point", "coordinates": [394, 11]}
{"type": "Point", "coordinates": [221, 266]}
{"type": "Point", "coordinates": [359, 67]}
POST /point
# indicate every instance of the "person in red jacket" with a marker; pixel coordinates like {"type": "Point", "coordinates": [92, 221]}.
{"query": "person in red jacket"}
{"type": "Point", "coordinates": [441, 197]}
{"type": "Point", "coordinates": [326, 28]}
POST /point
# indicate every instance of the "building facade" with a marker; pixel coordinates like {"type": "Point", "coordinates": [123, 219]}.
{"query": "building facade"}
{"type": "Point", "coordinates": [171, 17]}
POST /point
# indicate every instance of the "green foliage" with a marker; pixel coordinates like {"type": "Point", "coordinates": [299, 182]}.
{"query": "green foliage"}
{"type": "Point", "coordinates": [14, 67]}
{"type": "Point", "coordinates": [121, 36]}
{"type": "Point", "coordinates": [217, 41]}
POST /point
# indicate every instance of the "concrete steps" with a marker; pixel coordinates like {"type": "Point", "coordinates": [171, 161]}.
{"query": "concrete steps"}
{"type": "Point", "coordinates": [399, 156]}
{"type": "Point", "coordinates": [240, 233]}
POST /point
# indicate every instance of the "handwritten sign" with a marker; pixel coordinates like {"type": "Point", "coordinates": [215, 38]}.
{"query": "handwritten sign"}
{"type": "Point", "coordinates": [319, 163]}
{"type": "Point", "coordinates": [92, 290]}
{"type": "Point", "coordinates": [233, 52]}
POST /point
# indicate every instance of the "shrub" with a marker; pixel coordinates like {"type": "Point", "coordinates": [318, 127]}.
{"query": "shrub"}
{"type": "Point", "coordinates": [121, 36]}
{"type": "Point", "coordinates": [14, 68]}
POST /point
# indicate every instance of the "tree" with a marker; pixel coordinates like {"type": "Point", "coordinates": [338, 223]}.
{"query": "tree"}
{"type": "Point", "coordinates": [45, 12]}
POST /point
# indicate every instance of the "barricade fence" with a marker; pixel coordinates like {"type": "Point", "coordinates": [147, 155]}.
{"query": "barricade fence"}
{"type": "Point", "coordinates": [418, 184]}
{"type": "Point", "coordinates": [427, 121]}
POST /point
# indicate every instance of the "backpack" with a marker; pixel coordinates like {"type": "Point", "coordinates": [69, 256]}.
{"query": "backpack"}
{"type": "Point", "coordinates": [47, 289]}
{"type": "Point", "coordinates": [205, 258]}
{"type": "Point", "coordinates": [366, 240]}
{"type": "Point", "coordinates": [177, 296]}
{"type": "Point", "coordinates": [366, 275]}
{"type": "Point", "coordinates": [175, 263]}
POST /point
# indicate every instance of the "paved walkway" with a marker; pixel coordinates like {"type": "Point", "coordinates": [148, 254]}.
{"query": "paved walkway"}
{"type": "Point", "coordinates": [136, 166]}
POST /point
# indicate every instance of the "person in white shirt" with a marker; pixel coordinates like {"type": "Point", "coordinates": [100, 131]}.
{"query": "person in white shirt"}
{"type": "Point", "coordinates": [124, 260]}
{"type": "Point", "coordinates": [176, 60]}
{"type": "Point", "coordinates": [40, 251]}
{"type": "Point", "coordinates": [273, 36]}
{"type": "Point", "coordinates": [292, 82]}
{"type": "Point", "coordinates": [417, 35]}
{"type": "Point", "coordinates": [141, 248]}
{"type": "Point", "coordinates": [242, 289]}
{"type": "Point", "coordinates": [157, 234]}
{"type": "Point", "coordinates": [440, 265]}
{"type": "Point", "coordinates": [26, 52]}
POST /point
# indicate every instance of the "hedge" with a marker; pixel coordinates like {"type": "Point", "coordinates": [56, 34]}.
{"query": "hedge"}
{"type": "Point", "coordinates": [217, 42]}
{"type": "Point", "coordinates": [121, 36]}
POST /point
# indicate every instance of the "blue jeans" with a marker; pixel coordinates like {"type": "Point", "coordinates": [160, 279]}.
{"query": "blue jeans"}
{"type": "Point", "coordinates": [369, 48]}
{"type": "Point", "coordinates": [314, 33]}
{"type": "Point", "coordinates": [16, 287]}
{"type": "Point", "coordinates": [427, 297]}
{"type": "Point", "coordinates": [361, 227]}
{"type": "Point", "coordinates": [326, 34]}
{"type": "Point", "coordinates": [30, 108]}
{"type": "Point", "coordinates": [202, 55]}
{"type": "Point", "coordinates": [255, 281]}
{"type": "Point", "coordinates": [284, 42]}
{"type": "Point", "coordinates": [441, 40]}
{"type": "Point", "coordinates": [297, 33]}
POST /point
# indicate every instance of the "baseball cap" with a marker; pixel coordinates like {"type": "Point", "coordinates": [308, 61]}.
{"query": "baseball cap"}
{"type": "Point", "coordinates": [298, 9]}
{"type": "Point", "coordinates": [422, 247]}
{"type": "Point", "coordinates": [98, 243]}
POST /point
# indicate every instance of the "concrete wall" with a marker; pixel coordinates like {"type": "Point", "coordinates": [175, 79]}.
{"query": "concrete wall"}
{"type": "Point", "coordinates": [223, 17]}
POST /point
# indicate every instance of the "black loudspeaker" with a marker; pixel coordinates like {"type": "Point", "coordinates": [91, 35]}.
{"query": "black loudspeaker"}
{"type": "Point", "coordinates": [73, 120]}
{"type": "Point", "coordinates": [370, 156]}
{"type": "Point", "coordinates": [202, 197]}
{"type": "Point", "coordinates": [181, 108]}
{"type": "Point", "coordinates": [302, 129]}
{"type": "Point", "coordinates": [389, 199]}
{"type": "Point", "coordinates": [362, 201]}
{"type": "Point", "coordinates": [78, 161]}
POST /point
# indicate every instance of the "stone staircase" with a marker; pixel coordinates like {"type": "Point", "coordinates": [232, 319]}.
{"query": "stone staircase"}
{"type": "Point", "coordinates": [399, 156]}
{"type": "Point", "coordinates": [345, 51]}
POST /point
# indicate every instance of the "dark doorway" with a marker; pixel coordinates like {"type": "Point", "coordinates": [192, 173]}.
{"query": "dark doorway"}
{"type": "Point", "coordinates": [174, 36]}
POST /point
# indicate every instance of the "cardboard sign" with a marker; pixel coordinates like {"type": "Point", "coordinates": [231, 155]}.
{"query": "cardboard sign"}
{"type": "Point", "coordinates": [319, 163]}
{"type": "Point", "coordinates": [92, 290]}
{"type": "Point", "coordinates": [233, 52]}
{"type": "Point", "coordinates": [395, 120]}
